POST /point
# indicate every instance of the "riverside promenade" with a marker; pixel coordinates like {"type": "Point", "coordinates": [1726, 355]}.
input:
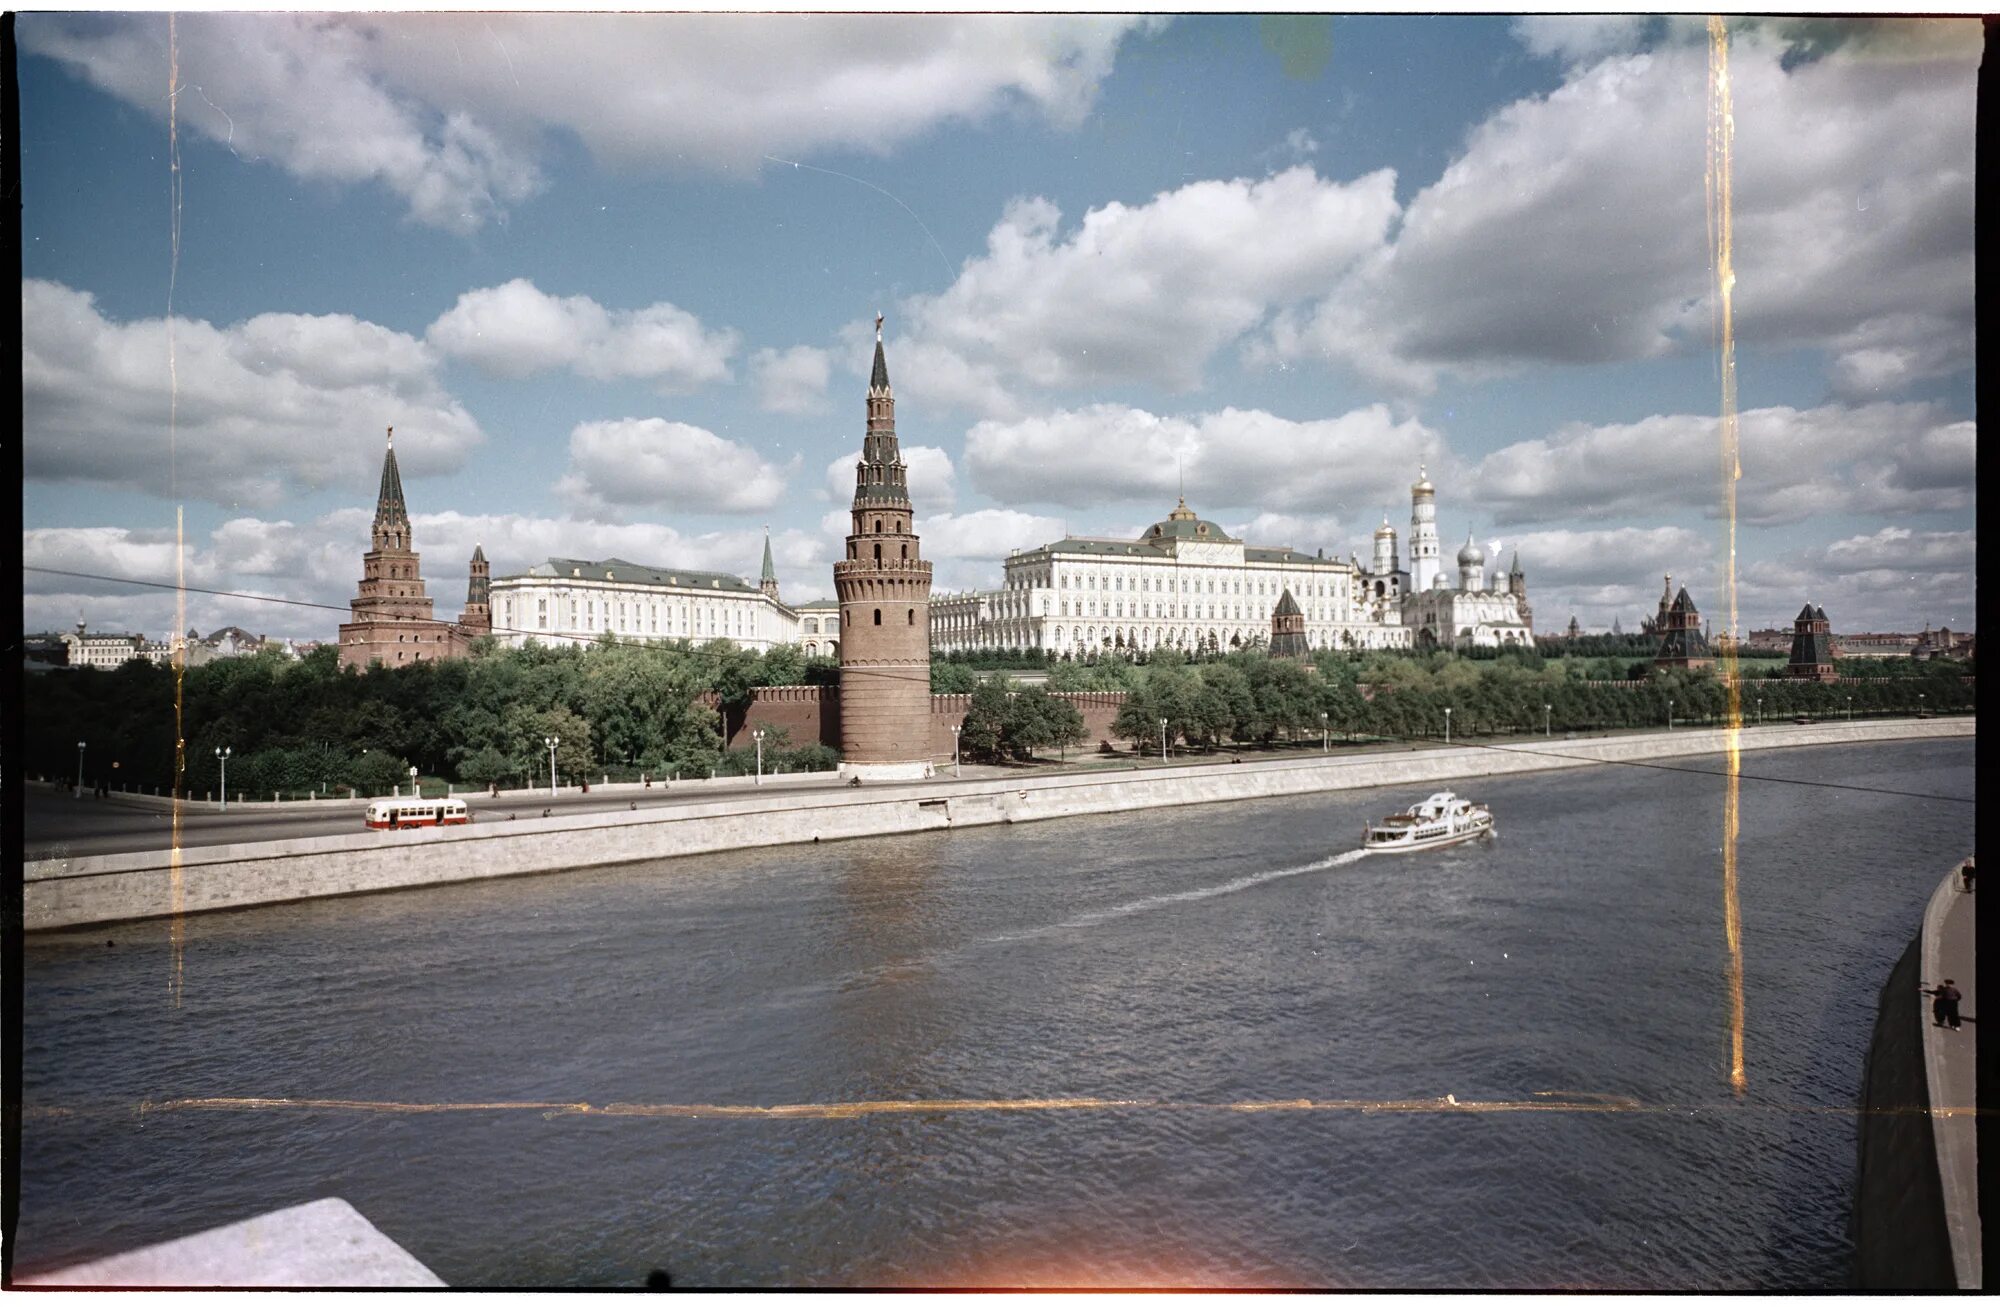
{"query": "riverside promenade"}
{"type": "Point", "coordinates": [1951, 1070]}
{"type": "Point", "coordinates": [76, 891]}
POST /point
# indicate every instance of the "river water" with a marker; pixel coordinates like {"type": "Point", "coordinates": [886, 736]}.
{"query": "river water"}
{"type": "Point", "coordinates": [1187, 959]}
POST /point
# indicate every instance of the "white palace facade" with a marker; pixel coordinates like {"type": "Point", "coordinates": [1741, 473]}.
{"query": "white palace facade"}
{"type": "Point", "coordinates": [580, 600]}
{"type": "Point", "coordinates": [1186, 584]}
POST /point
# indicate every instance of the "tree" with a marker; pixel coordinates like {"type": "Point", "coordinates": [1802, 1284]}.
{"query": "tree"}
{"type": "Point", "coordinates": [952, 678]}
{"type": "Point", "coordinates": [985, 724]}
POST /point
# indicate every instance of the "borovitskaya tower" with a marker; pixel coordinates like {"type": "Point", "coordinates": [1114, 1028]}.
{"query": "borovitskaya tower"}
{"type": "Point", "coordinates": [884, 588]}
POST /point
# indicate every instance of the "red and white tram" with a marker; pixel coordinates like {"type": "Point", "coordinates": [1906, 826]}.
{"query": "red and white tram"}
{"type": "Point", "coordinates": [404, 814]}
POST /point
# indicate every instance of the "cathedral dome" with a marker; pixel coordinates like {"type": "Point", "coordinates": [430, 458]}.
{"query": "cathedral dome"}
{"type": "Point", "coordinates": [1423, 485]}
{"type": "Point", "coordinates": [1384, 531]}
{"type": "Point", "coordinates": [1472, 555]}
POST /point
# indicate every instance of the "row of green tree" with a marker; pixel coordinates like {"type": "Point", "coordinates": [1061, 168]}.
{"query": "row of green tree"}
{"type": "Point", "coordinates": [308, 725]}
{"type": "Point", "coordinates": [1255, 700]}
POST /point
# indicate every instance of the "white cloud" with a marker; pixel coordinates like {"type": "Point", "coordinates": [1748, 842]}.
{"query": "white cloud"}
{"type": "Point", "coordinates": [1572, 228]}
{"type": "Point", "coordinates": [1306, 534]}
{"type": "Point", "coordinates": [967, 550]}
{"type": "Point", "coordinates": [450, 111]}
{"type": "Point", "coordinates": [1137, 293]}
{"type": "Point", "coordinates": [302, 89]}
{"type": "Point", "coordinates": [517, 330]}
{"type": "Point", "coordinates": [1900, 549]}
{"type": "Point", "coordinates": [1234, 458]}
{"type": "Point", "coordinates": [620, 466]}
{"type": "Point", "coordinates": [247, 413]}
{"type": "Point", "coordinates": [1618, 556]}
{"type": "Point", "coordinates": [932, 479]}
{"type": "Point", "coordinates": [1796, 464]}
{"type": "Point", "coordinates": [1574, 38]}
{"type": "Point", "coordinates": [792, 380]}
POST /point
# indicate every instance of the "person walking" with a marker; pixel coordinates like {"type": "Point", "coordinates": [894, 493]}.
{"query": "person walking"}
{"type": "Point", "coordinates": [1944, 1004]}
{"type": "Point", "coordinates": [1966, 875]}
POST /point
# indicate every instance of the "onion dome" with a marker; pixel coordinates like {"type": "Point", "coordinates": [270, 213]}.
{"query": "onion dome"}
{"type": "Point", "coordinates": [1423, 485]}
{"type": "Point", "coordinates": [1384, 531]}
{"type": "Point", "coordinates": [1472, 555]}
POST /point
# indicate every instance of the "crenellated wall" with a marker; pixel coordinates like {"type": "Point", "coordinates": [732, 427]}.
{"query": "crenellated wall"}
{"type": "Point", "coordinates": [811, 713]}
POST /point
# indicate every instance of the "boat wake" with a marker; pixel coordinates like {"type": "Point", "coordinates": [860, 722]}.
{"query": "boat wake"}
{"type": "Point", "coordinates": [1183, 896]}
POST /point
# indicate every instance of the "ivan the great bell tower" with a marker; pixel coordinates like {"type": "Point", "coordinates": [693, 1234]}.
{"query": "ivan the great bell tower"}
{"type": "Point", "coordinates": [884, 588]}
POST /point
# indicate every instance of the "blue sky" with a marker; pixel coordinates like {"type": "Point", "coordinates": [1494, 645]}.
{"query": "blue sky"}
{"type": "Point", "coordinates": [612, 278]}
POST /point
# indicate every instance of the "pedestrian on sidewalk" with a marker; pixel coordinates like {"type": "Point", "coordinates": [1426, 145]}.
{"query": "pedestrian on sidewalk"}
{"type": "Point", "coordinates": [1965, 874]}
{"type": "Point", "coordinates": [1944, 1004]}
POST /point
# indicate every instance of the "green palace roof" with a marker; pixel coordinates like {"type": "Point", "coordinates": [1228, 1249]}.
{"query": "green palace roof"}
{"type": "Point", "coordinates": [620, 572]}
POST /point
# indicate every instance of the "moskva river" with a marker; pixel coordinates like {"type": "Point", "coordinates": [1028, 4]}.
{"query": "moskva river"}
{"type": "Point", "coordinates": [1190, 963]}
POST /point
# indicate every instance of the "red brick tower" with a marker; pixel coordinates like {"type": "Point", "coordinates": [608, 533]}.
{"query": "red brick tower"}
{"type": "Point", "coordinates": [1812, 646]}
{"type": "Point", "coordinates": [884, 588]}
{"type": "Point", "coordinates": [477, 619]}
{"type": "Point", "coordinates": [391, 615]}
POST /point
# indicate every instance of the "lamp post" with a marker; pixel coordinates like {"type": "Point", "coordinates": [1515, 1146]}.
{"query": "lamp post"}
{"type": "Point", "coordinates": [415, 793]}
{"type": "Point", "coordinates": [79, 768]}
{"type": "Point", "coordinates": [1850, 707]}
{"type": "Point", "coordinates": [1670, 714]}
{"type": "Point", "coordinates": [758, 735]}
{"type": "Point", "coordinates": [1760, 710]}
{"type": "Point", "coordinates": [1163, 739]}
{"type": "Point", "coordinates": [1920, 711]}
{"type": "Point", "coordinates": [1323, 747]}
{"type": "Point", "coordinates": [222, 756]}
{"type": "Point", "coordinates": [1447, 726]}
{"type": "Point", "coordinates": [954, 749]}
{"type": "Point", "coordinates": [1548, 730]}
{"type": "Point", "coordinates": [552, 741]}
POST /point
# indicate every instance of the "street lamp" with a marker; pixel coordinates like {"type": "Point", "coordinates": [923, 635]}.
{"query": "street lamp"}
{"type": "Point", "coordinates": [415, 793]}
{"type": "Point", "coordinates": [552, 741]}
{"type": "Point", "coordinates": [1670, 714]}
{"type": "Point", "coordinates": [79, 768]}
{"type": "Point", "coordinates": [222, 756]}
{"type": "Point", "coordinates": [1323, 747]}
{"type": "Point", "coordinates": [1760, 710]}
{"type": "Point", "coordinates": [1920, 712]}
{"type": "Point", "coordinates": [1548, 731]}
{"type": "Point", "coordinates": [954, 750]}
{"type": "Point", "coordinates": [758, 735]}
{"type": "Point", "coordinates": [1447, 726]}
{"type": "Point", "coordinates": [1850, 707]}
{"type": "Point", "coordinates": [1163, 739]}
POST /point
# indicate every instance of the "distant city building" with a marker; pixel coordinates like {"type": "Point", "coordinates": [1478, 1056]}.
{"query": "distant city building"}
{"type": "Point", "coordinates": [884, 587]}
{"type": "Point", "coordinates": [1875, 644]}
{"type": "Point", "coordinates": [1769, 641]}
{"type": "Point", "coordinates": [108, 649]}
{"type": "Point", "coordinates": [1812, 646]}
{"type": "Point", "coordinates": [1679, 627]}
{"type": "Point", "coordinates": [1941, 643]}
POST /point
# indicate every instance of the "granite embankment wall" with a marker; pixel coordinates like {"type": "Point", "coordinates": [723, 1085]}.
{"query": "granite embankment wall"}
{"type": "Point", "coordinates": [1900, 1241]}
{"type": "Point", "coordinates": [1916, 1221]}
{"type": "Point", "coordinates": [114, 887]}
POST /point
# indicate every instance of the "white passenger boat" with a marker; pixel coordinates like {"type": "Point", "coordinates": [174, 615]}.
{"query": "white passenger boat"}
{"type": "Point", "coordinates": [1442, 819]}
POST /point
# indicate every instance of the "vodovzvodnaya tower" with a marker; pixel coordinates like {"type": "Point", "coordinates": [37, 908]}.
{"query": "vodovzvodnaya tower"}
{"type": "Point", "coordinates": [884, 588]}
